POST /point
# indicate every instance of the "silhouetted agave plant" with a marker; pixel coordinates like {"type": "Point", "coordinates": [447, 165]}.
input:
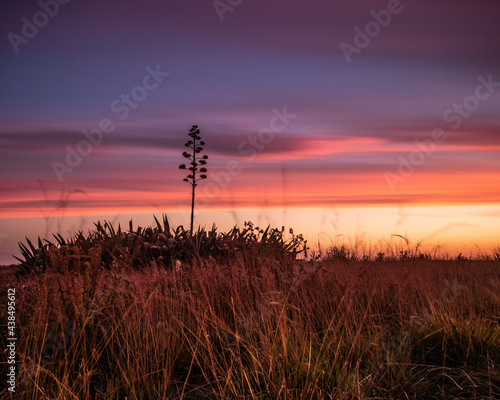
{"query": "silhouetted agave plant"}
{"type": "Point", "coordinates": [195, 147]}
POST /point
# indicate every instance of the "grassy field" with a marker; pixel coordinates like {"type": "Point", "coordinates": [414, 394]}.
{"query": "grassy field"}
{"type": "Point", "coordinates": [239, 317]}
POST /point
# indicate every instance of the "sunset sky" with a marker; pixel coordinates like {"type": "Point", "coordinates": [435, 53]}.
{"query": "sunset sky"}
{"type": "Point", "coordinates": [346, 120]}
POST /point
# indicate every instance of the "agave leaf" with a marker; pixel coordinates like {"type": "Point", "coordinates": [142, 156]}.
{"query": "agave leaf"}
{"type": "Point", "coordinates": [166, 226]}
{"type": "Point", "coordinates": [60, 240]}
{"type": "Point", "coordinates": [264, 235]}
{"type": "Point", "coordinates": [158, 224]}
{"type": "Point", "coordinates": [109, 226]}
{"type": "Point", "coordinates": [18, 259]}
{"type": "Point", "coordinates": [31, 246]}
{"type": "Point", "coordinates": [26, 253]}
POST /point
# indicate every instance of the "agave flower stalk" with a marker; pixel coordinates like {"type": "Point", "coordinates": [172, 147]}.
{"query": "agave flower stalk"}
{"type": "Point", "coordinates": [196, 165]}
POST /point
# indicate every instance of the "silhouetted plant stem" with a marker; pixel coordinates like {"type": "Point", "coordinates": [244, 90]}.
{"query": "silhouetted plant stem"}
{"type": "Point", "coordinates": [195, 145]}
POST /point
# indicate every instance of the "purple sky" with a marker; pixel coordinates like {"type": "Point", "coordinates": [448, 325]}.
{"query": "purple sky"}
{"type": "Point", "coordinates": [351, 120]}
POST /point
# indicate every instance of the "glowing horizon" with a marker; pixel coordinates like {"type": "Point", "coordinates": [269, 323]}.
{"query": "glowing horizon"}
{"type": "Point", "coordinates": [470, 230]}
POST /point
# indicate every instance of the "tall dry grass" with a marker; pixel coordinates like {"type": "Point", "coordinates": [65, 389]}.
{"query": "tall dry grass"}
{"type": "Point", "coordinates": [335, 329]}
